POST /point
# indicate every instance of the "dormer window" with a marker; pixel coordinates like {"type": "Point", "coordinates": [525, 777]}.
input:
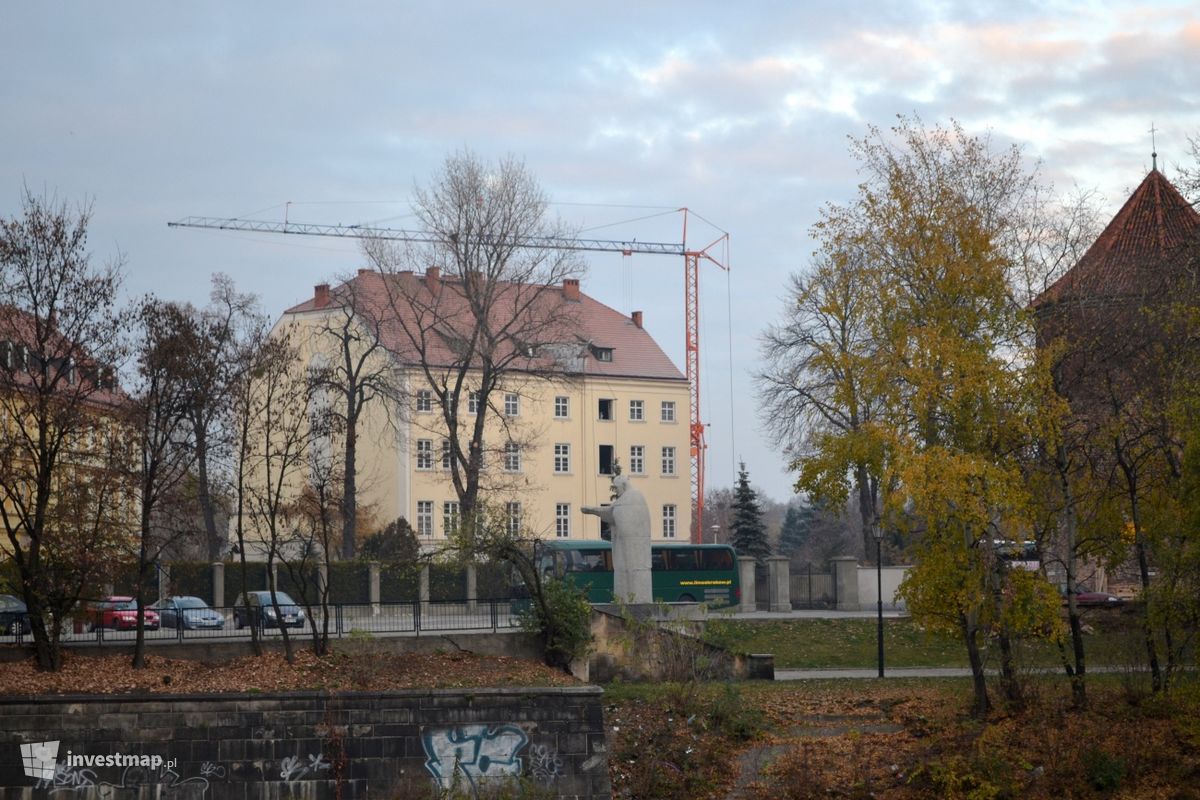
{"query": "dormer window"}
{"type": "Point", "coordinates": [602, 353]}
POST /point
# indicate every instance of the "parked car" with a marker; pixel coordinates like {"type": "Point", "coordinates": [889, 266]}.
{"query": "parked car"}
{"type": "Point", "coordinates": [262, 611]}
{"type": "Point", "coordinates": [1093, 599]}
{"type": "Point", "coordinates": [187, 612]}
{"type": "Point", "coordinates": [119, 613]}
{"type": "Point", "coordinates": [14, 616]}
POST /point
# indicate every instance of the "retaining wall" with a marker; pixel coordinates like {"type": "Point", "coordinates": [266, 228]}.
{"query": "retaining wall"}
{"type": "Point", "coordinates": [311, 745]}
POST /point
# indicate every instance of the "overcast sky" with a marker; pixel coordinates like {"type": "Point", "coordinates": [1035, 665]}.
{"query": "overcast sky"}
{"type": "Point", "coordinates": [740, 112]}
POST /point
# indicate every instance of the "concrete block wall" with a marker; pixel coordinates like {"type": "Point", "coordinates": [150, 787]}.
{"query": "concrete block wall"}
{"type": "Point", "coordinates": [311, 745]}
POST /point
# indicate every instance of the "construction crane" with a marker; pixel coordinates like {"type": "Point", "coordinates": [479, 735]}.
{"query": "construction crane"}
{"type": "Point", "coordinates": [691, 293]}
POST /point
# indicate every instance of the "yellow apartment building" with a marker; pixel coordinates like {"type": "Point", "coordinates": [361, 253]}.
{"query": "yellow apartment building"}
{"type": "Point", "coordinates": [552, 440]}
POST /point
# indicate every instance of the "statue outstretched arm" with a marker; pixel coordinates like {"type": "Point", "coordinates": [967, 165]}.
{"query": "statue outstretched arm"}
{"type": "Point", "coordinates": [603, 512]}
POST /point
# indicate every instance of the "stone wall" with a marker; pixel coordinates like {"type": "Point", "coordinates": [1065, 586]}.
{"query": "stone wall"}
{"type": "Point", "coordinates": [543, 742]}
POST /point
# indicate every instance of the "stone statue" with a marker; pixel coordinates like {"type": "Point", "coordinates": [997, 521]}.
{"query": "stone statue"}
{"type": "Point", "coordinates": [629, 520]}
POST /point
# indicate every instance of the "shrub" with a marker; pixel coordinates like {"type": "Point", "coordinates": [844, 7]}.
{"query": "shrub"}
{"type": "Point", "coordinates": [565, 626]}
{"type": "Point", "coordinates": [1103, 771]}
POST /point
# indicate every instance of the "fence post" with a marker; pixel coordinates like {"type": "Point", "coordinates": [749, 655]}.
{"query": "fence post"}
{"type": "Point", "coordinates": [417, 617]}
{"type": "Point", "coordinates": [373, 586]}
{"type": "Point", "coordinates": [495, 612]}
{"type": "Point", "coordinates": [780, 580]}
{"type": "Point", "coordinates": [845, 582]}
{"type": "Point", "coordinates": [471, 587]}
{"type": "Point", "coordinates": [218, 584]}
{"type": "Point", "coordinates": [746, 577]}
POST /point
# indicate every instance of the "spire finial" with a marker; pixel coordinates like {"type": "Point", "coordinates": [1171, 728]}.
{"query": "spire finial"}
{"type": "Point", "coordinates": [1153, 147]}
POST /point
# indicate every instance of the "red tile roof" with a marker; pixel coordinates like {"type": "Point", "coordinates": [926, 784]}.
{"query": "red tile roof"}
{"type": "Point", "coordinates": [634, 353]}
{"type": "Point", "coordinates": [1135, 253]}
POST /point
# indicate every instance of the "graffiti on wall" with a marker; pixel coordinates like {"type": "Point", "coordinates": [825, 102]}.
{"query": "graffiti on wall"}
{"type": "Point", "coordinates": [471, 755]}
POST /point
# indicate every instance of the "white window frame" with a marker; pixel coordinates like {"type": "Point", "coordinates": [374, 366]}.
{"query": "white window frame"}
{"type": "Point", "coordinates": [424, 454]}
{"type": "Point", "coordinates": [666, 411]}
{"type": "Point", "coordinates": [451, 512]}
{"type": "Point", "coordinates": [668, 460]}
{"type": "Point", "coordinates": [668, 520]}
{"type": "Point", "coordinates": [512, 404]}
{"type": "Point", "coordinates": [513, 510]}
{"type": "Point", "coordinates": [562, 458]}
{"type": "Point", "coordinates": [424, 401]}
{"type": "Point", "coordinates": [637, 459]}
{"type": "Point", "coordinates": [637, 411]}
{"type": "Point", "coordinates": [472, 402]}
{"type": "Point", "coordinates": [512, 457]}
{"type": "Point", "coordinates": [562, 520]}
{"type": "Point", "coordinates": [446, 454]}
{"type": "Point", "coordinates": [425, 518]}
{"type": "Point", "coordinates": [562, 407]}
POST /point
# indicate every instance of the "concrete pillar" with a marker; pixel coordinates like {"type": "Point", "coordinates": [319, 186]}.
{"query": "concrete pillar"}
{"type": "Point", "coordinates": [218, 584]}
{"type": "Point", "coordinates": [746, 579]}
{"type": "Point", "coordinates": [471, 593]}
{"type": "Point", "coordinates": [164, 581]}
{"type": "Point", "coordinates": [423, 589]}
{"type": "Point", "coordinates": [780, 580]}
{"type": "Point", "coordinates": [373, 593]}
{"type": "Point", "coordinates": [322, 580]}
{"type": "Point", "coordinates": [845, 579]}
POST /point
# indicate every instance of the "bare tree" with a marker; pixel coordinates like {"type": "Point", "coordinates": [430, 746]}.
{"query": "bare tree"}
{"type": "Point", "coordinates": [279, 433]}
{"type": "Point", "coordinates": [60, 336]}
{"type": "Point", "coordinates": [356, 372]}
{"type": "Point", "coordinates": [497, 317]}
{"type": "Point", "coordinates": [159, 419]}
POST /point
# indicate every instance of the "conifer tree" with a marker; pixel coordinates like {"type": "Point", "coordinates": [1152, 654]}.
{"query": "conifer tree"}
{"type": "Point", "coordinates": [793, 534]}
{"type": "Point", "coordinates": [749, 534]}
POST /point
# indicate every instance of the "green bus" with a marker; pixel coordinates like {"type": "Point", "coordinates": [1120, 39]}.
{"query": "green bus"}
{"type": "Point", "coordinates": [680, 573]}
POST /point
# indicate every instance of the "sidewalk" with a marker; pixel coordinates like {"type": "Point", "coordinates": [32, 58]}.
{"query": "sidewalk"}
{"type": "Point", "coordinates": [812, 613]}
{"type": "Point", "coordinates": [873, 672]}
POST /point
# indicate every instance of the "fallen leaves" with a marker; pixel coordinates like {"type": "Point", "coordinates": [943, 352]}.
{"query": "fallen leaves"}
{"type": "Point", "coordinates": [373, 671]}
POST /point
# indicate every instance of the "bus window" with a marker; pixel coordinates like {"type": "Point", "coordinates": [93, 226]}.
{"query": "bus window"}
{"type": "Point", "coordinates": [682, 558]}
{"type": "Point", "coordinates": [658, 560]}
{"type": "Point", "coordinates": [717, 559]}
{"type": "Point", "coordinates": [588, 561]}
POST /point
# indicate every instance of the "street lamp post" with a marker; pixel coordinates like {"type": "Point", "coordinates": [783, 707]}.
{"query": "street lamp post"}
{"type": "Point", "coordinates": [877, 532]}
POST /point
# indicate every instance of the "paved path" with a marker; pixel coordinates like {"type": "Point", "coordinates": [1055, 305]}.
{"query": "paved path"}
{"type": "Point", "coordinates": [873, 672]}
{"type": "Point", "coordinates": [812, 613]}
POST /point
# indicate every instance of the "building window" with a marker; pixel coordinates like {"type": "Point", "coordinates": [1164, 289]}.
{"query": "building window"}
{"type": "Point", "coordinates": [512, 404]}
{"type": "Point", "coordinates": [637, 459]}
{"type": "Point", "coordinates": [446, 454]}
{"type": "Point", "coordinates": [605, 410]}
{"type": "Point", "coordinates": [562, 520]}
{"type": "Point", "coordinates": [603, 353]}
{"type": "Point", "coordinates": [562, 407]}
{"type": "Point", "coordinates": [424, 401]}
{"type": "Point", "coordinates": [668, 410]}
{"type": "Point", "coordinates": [425, 518]}
{"type": "Point", "coordinates": [512, 457]}
{"type": "Point", "coordinates": [668, 461]}
{"type": "Point", "coordinates": [473, 402]}
{"type": "Point", "coordinates": [606, 459]}
{"type": "Point", "coordinates": [636, 411]}
{"type": "Point", "coordinates": [562, 458]}
{"type": "Point", "coordinates": [669, 521]}
{"type": "Point", "coordinates": [450, 516]}
{"type": "Point", "coordinates": [424, 453]}
{"type": "Point", "coordinates": [514, 517]}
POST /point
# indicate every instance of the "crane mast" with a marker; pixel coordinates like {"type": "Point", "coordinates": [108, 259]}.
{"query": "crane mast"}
{"type": "Point", "coordinates": [691, 290]}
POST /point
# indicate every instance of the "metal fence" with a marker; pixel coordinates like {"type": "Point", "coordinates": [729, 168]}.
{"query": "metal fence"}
{"type": "Point", "coordinates": [412, 619]}
{"type": "Point", "coordinates": [813, 588]}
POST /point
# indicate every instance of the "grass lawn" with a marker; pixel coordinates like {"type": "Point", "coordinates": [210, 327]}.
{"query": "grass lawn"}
{"type": "Point", "coordinates": [850, 643]}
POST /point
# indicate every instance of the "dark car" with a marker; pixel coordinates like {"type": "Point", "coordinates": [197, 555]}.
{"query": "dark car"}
{"type": "Point", "coordinates": [262, 611]}
{"type": "Point", "coordinates": [187, 612]}
{"type": "Point", "coordinates": [120, 613]}
{"type": "Point", "coordinates": [1098, 599]}
{"type": "Point", "coordinates": [14, 616]}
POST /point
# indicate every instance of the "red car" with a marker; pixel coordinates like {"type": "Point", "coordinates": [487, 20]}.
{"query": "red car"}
{"type": "Point", "coordinates": [119, 613]}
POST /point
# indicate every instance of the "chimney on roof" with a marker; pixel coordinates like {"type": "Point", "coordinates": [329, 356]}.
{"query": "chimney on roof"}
{"type": "Point", "coordinates": [571, 289]}
{"type": "Point", "coordinates": [433, 279]}
{"type": "Point", "coordinates": [321, 295]}
{"type": "Point", "coordinates": [637, 319]}
{"type": "Point", "coordinates": [364, 271]}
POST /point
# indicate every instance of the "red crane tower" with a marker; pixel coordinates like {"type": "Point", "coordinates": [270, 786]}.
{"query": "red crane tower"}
{"type": "Point", "coordinates": [691, 295]}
